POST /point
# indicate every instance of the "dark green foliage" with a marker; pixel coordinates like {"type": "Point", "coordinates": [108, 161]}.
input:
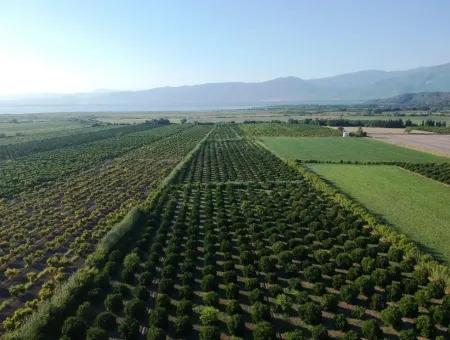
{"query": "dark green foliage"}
{"type": "Point", "coordinates": [319, 332]}
{"type": "Point", "coordinates": [364, 284]}
{"type": "Point", "coordinates": [275, 290]}
{"type": "Point", "coordinates": [209, 333]}
{"type": "Point", "coordinates": [122, 290]}
{"type": "Point", "coordinates": [129, 329]}
{"type": "Point", "coordinates": [436, 289]}
{"type": "Point", "coordinates": [358, 312]}
{"type": "Point", "coordinates": [135, 309]}
{"type": "Point", "coordinates": [408, 306]}
{"type": "Point", "coordinates": [318, 288]}
{"type": "Point", "coordinates": [267, 264]}
{"type": "Point", "coordinates": [256, 295]}
{"type": "Point", "coordinates": [393, 291]}
{"type": "Point", "coordinates": [233, 307]}
{"type": "Point", "coordinates": [86, 312]}
{"type": "Point", "coordinates": [260, 312]}
{"type": "Point", "coordinates": [74, 328]}
{"type": "Point", "coordinates": [392, 316]}
{"type": "Point", "coordinates": [348, 293]}
{"type": "Point", "coordinates": [395, 254]}
{"type": "Point", "coordinates": [377, 302]}
{"type": "Point", "coordinates": [424, 326]}
{"type": "Point", "coordinates": [159, 317]}
{"type": "Point", "coordinates": [209, 282]}
{"type": "Point", "coordinates": [114, 303]}
{"type": "Point", "coordinates": [380, 277]}
{"type": "Point", "coordinates": [350, 335]}
{"type": "Point", "coordinates": [353, 273]}
{"type": "Point", "coordinates": [439, 315]}
{"type": "Point", "coordinates": [410, 285]}
{"type": "Point", "coordinates": [329, 302]}
{"type": "Point", "coordinates": [95, 333]}
{"type": "Point", "coordinates": [183, 325]}
{"type": "Point", "coordinates": [184, 307]}
{"type": "Point", "coordinates": [146, 279]}
{"type": "Point", "coordinates": [235, 324]}
{"type": "Point", "coordinates": [421, 275]}
{"type": "Point", "coordinates": [283, 303]}
{"type": "Point", "coordinates": [141, 293]}
{"type": "Point", "coordinates": [106, 320]}
{"type": "Point", "coordinates": [313, 274]}
{"type": "Point", "coordinates": [264, 331]}
{"type": "Point", "coordinates": [371, 330]}
{"type": "Point", "coordinates": [337, 281]}
{"type": "Point", "coordinates": [295, 335]}
{"type": "Point", "coordinates": [340, 322]}
{"type": "Point", "coordinates": [310, 313]}
{"type": "Point", "coordinates": [343, 260]}
{"type": "Point", "coordinates": [155, 333]}
{"type": "Point", "coordinates": [211, 299]}
{"type": "Point", "coordinates": [422, 297]}
{"type": "Point", "coordinates": [232, 291]}
{"type": "Point", "coordinates": [409, 334]}
{"type": "Point", "coordinates": [321, 256]}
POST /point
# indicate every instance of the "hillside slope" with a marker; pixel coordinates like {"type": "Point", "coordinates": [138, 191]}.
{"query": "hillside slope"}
{"type": "Point", "coordinates": [352, 87]}
{"type": "Point", "coordinates": [428, 99]}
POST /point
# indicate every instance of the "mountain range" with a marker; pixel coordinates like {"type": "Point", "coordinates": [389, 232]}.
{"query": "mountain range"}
{"type": "Point", "coordinates": [346, 88]}
{"type": "Point", "coordinates": [425, 99]}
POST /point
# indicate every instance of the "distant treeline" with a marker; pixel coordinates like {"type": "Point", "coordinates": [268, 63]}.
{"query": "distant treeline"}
{"type": "Point", "coordinates": [433, 123]}
{"type": "Point", "coordinates": [435, 126]}
{"type": "Point", "coordinates": [391, 123]}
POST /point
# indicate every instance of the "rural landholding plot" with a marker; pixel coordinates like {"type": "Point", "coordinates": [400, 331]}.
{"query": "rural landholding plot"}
{"type": "Point", "coordinates": [417, 206]}
{"type": "Point", "coordinates": [336, 149]}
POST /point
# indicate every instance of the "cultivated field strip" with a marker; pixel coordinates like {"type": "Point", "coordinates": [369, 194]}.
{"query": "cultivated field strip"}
{"type": "Point", "coordinates": [259, 259]}
{"type": "Point", "coordinates": [226, 132]}
{"type": "Point", "coordinates": [32, 170]}
{"type": "Point", "coordinates": [233, 161]}
{"type": "Point", "coordinates": [241, 260]}
{"type": "Point", "coordinates": [47, 232]}
{"type": "Point", "coordinates": [27, 136]}
{"type": "Point", "coordinates": [287, 130]}
{"type": "Point", "coordinates": [16, 150]}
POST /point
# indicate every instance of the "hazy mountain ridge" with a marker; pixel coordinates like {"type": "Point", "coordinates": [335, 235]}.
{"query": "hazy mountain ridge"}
{"type": "Point", "coordinates": [429, 99]}
{"type": "Point", "coordinates": [351, 87]}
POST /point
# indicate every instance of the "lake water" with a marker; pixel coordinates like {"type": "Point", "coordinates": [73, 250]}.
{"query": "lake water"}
{"type": "Point", "coordinates": [22, 109]}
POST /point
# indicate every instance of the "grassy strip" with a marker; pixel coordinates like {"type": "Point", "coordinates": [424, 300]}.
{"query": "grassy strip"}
{"type": "Point", "coordinates": [437, 171]}
{"type": "Point", "coordinates": [346, 149]}
{"type": "Point", "coordinates": [51, 312]}
{"type": "Point", "coordinates": [411, 203]}
{"type": "Point", "coordinates": [436, 269]}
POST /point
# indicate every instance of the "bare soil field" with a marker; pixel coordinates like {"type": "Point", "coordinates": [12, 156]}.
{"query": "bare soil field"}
{"type": "Point", "coordinates": [415, 139]}
{"type": "Point", "coordinates": [373, 131]}
{"type": "Point", "coordinates": [438, 144]}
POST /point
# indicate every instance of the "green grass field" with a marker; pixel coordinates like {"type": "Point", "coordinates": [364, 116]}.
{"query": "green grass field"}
{"type": "Point", "coordinates": [346, 149]}
{"type": "Point", "coordinates": [417, 206]}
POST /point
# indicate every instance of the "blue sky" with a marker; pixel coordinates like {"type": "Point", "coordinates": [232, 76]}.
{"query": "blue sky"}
{"type": "Point", "coordinates": [65, 46]}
